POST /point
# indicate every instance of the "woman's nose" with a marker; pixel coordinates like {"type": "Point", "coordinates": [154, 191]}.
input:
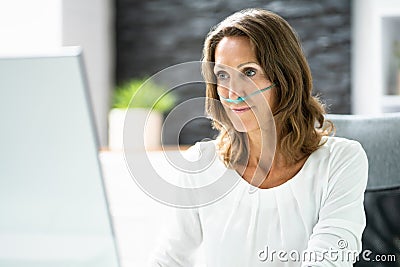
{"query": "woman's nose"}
{"type": "Point", "coordinates": [233, 94]}
{"type": "Point", "coordinates": [235, 90]}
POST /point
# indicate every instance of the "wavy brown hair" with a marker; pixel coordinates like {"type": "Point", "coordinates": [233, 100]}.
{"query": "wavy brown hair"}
{"type": "Point", "coordinates": [278, 51]}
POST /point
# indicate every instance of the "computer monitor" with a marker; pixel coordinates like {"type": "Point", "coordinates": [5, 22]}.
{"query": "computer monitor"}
{"type": "Point", "coordinates": [53, 207]}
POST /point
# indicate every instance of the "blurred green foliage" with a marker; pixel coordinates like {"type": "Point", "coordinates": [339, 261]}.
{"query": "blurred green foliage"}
{"type": "Point", "coordinates": [143, 93]}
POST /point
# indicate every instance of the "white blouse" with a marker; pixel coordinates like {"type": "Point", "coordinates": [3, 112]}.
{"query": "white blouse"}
{"type": "Point", "coordinates": [314, 219]}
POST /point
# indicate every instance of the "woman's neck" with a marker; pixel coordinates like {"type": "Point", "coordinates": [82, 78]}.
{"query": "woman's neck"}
{"type": "Point", "coordinates": [261, 147]}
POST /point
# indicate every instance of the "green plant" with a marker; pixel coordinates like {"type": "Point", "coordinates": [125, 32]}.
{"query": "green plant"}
{"type": "Point", "coordinates": [143, 95]}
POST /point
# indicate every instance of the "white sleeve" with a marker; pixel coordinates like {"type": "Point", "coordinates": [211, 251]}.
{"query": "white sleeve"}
{"type": "Point", "coordinates": [181, 235]}
{"type": "Point", "coordinates": [179, 240]}
{"type": "Point", "coordinates": [336, 238]}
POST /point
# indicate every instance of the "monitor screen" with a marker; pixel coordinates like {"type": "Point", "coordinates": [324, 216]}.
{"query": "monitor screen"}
{"type": "Point", "coordinates": [53, 205]}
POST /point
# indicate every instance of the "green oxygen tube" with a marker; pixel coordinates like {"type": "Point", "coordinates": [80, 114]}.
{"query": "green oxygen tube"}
{"type": "Point", "coordinates": [243, 98]}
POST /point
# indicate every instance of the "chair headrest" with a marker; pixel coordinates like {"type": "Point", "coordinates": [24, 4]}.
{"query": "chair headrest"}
{"type": "Point", "coordinates": [380, 137]}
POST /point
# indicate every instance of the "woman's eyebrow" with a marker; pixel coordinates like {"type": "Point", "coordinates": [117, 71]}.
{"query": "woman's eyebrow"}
{"type": "Point", "coordinates": [250, 62]}
{"type": "Point", "coordinates": [219, 66]}
{"type": "Point", "coordinates": [222, 66]}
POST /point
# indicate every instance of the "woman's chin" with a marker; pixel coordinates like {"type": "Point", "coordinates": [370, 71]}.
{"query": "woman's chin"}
{"type": "Point", "coordinates": [245, 128]}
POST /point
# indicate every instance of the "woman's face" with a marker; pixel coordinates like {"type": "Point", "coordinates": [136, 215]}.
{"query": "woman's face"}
{"type": "Point", "coordinates": [239, 75]}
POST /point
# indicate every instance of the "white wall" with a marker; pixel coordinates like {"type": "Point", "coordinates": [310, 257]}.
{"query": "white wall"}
{"type": "Point", "coordinates": [364, 52]}
{"type": "Point", "coordinates": [370, 55]}
{"type": "Point", "coordinates": [89, 23]}
{"type": "Point", "coordinates": [27, 25]}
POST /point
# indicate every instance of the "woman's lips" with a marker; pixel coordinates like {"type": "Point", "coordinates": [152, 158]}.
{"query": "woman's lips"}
{"type": "Point", "coordinates": [240, 109]}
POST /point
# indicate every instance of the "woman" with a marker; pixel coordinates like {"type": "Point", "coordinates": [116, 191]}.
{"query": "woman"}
{"type": "Point", "coordinates": [305, 203]}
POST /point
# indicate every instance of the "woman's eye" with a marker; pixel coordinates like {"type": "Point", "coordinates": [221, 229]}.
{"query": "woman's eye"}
{"type": "Point", "coordinates": [221, 76]}
{"type": "Point", "coordinates": [250, 72]}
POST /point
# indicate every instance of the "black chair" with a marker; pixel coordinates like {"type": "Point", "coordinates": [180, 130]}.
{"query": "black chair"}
{"type": "Point", "coordinates": [380, 138]}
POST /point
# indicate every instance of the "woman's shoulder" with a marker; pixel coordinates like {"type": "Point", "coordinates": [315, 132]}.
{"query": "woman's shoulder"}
{"type": "Point", "coordinates": [340, 146]}
{"type": "Point", "coordinates": [339, 164]}
{"type": "Point", "coordinates": [202, 150]}
{"type": "Point", "coordinates": [345, 156]}
{"type": "Point", "coordinates": [335, 155]}
{"type": "Point", "coordinates": [205, 164]}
